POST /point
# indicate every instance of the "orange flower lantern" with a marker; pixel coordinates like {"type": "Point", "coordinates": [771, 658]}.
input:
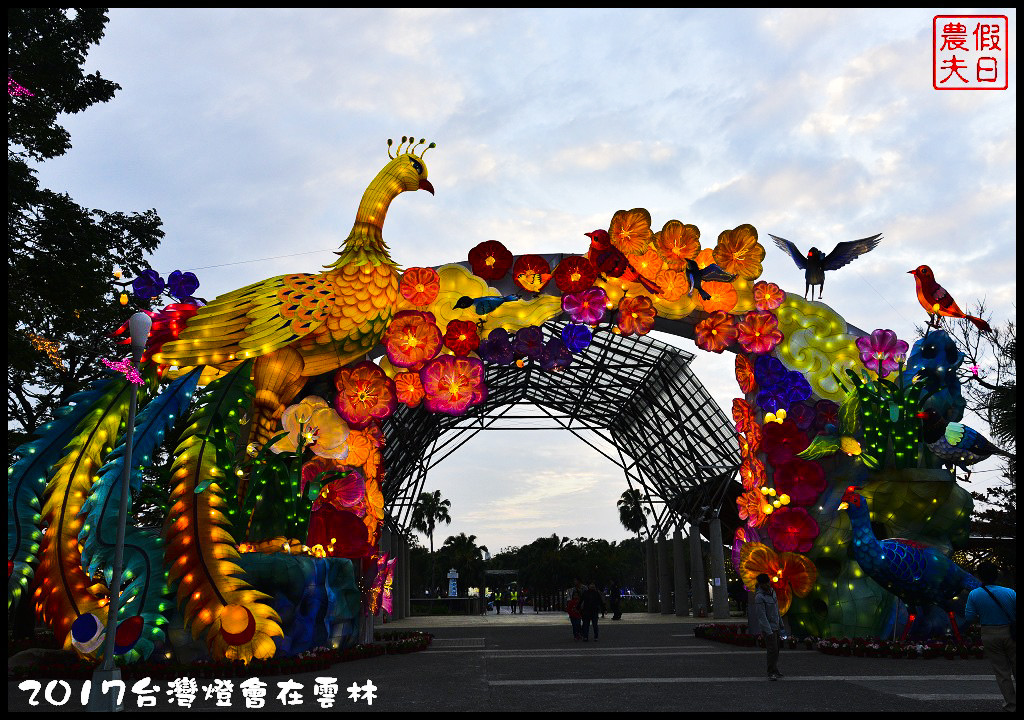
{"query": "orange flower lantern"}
{"type": "Point", "coordinates": [409, 388]}
{"type": "Point", "coordinates": [636, 315]}
{"type": "Point", "coordinates": [738, 252]}
{"type": "Point", "coordinates": [790, 573]}
{"type": "Point", "coordinates": [677, 243]}
{"type": "Point", "coordinates": [420, 285]}
{"type": "Point", "coordinates": [745, 374]}
{"type": "Point", "coordinates": [630, 231]}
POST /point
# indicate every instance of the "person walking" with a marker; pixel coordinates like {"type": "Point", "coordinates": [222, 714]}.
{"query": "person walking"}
{"type": "Point", "coordinates": [615, 600]}
{"type": "Point", "coordinates": [575, 618]}
{"type": "Point", "coordinates": [995, 607]}
{"type": "Point", "coordinates": [766, 611]}
{"type": "Point", "coordinates": [591, 603]}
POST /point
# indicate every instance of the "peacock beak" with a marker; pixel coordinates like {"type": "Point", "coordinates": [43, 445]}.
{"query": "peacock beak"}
{"type": "Point", "coordinates": [425, 185]}
{"type": "Point", "coordinates": [844, 505]}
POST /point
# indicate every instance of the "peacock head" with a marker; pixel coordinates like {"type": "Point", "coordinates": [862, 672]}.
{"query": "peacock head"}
{"type": "Point", "coordinates": [851, 497]}
{"type": "Point", "coordinates": [407, 166]}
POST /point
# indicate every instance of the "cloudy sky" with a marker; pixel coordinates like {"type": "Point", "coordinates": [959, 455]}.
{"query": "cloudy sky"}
{"type": "Point", "coordinates": [254, 132]}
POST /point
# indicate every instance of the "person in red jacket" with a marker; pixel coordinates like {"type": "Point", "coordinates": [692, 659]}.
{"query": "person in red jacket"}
{"type": "Point", "coordinates": [575, 616]}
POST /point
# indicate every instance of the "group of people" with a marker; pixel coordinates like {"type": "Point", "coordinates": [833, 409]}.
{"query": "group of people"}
{"type": "Point", "coordinates": [992, 606]}
{"type": "Point", "coordinates": [585, 604]}
{"type": "Point", "coordinates": [512, 598]}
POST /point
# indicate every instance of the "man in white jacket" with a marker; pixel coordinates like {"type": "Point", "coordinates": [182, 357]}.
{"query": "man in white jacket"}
{"type": "Point", "coordinates": [766, 611]}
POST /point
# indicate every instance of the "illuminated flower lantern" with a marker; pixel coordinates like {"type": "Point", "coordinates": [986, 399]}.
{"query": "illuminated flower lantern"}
{"type": "Point", "coordinates": [630, 231]}
{"type": "Point", "coordinates": [497, 348]}
{"type": "Point", "coordinates": [882, 352]}
{"type": "Point", "coordinates": [802, 415]}
{"type": "Point", "coordinates": [409, 388]}
{"type": "Point", "coordinates": [529, 342]}
{"type": "Point", "coordinates": [335, 522]}
{"type": "Point", "coordinates": [739, 253]}
{"type": "Point", "coordinates": [745, 374]}
{"type": "Point", "coordinates": [751, 507]}
{"type": "Point", "coordinates": [673, 284]}
{"type": "Point", "coordinates": [365, 394]}
{"type": "Point", "coordinates": [791, 388]}
{"type": "Point", "coordinates": [782, 442]}
{"type": "Point", "coordinates": [743, 415]}
{"type": "Point", "coordinates": [323, 430]}
{"type": "Point", "coordinates": [768, 296]}
{"type": "Point", "coordinates": [586, 307]}
{"type": "Point", "coordinates": [792, 529]}
{"type": "Point", "coordinates": [759, 332]}
{"type": "Point", "coordinates": [490, 260]}
{"type": "Point", "coordinates": [411, 339]}
{"type": "Point", "coordinates": [453, 385]}
{"type": "Point", "coordinates": [743, 536]}
{"type": "Point", "coordinates": [722, 297]}
{"type": "Point", "coordinates": [636, 316]}
{"type": "Point", "coordinates": [789, 573]}
{"type": "Point", "coordinates": [577, 337]}
{"type": "Point", "coordinates": [556, 355]}
{"type": "Point", "coordinates": [716, 332]}
{"type": "Point", "coordinates": [802, 480]}
{"type": "Point", "coordinates": [752, 473]}
{"type": "Point", "coordinates": [148, 285]}
{"type": "Point", "coordinates": [531, 272]}
{"type": "Point", "coordinates": [677, 243]}
{"type": "Point", "coordinates": [420, 285]}
{"type": "Point", "coordinates": [461, 337]}
{"type": "Point", "coordinates": [574, 273]}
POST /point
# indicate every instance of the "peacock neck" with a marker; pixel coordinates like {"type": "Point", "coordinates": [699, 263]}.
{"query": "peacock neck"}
{"type": "Point", "coordinates": [365, 243]}
{"type": "Point", "coordinates": [864, 540]}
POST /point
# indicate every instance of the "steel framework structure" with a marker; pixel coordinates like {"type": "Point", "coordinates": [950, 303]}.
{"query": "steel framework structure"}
{"type": "Point", "coordinates": [633, 400]}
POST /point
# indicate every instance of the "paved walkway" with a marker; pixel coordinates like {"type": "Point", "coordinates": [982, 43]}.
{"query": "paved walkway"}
{"type": "Point", "coordinates": [531, 619]}
{"type": "Point", "coordinates": [636, 666]}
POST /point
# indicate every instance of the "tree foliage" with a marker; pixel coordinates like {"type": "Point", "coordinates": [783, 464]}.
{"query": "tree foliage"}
{"type": "Point", "coordinates": [61, 257]}
{"type": "Point", "coordinates": [430, 509]}
{"type": "Point", "coordinates": [988, 378]}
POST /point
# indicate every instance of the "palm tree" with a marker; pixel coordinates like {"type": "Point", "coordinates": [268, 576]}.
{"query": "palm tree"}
{"type": "Point", "coordinates": [466, 556]}
{"type": "Point", "coordinates": [430, 509]}
{"type": "Point", "coordinates": [632, 511]}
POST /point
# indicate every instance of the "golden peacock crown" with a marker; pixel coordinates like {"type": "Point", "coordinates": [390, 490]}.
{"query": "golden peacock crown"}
{"type": "Point", "coordinates": [410, 148]}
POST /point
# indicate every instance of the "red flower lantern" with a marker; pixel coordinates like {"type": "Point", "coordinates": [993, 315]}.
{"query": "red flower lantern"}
{"type": "Point", "coordinates": [781, 442]}
{"type": "Point", "coordinates": [803, 480]}
{"type": "Point", "coordinates": [759, 332]}
{"type": "Point", "coordinates": [792, 529]}
{"type": "Point", "coordinates": [365, 394]}
{"type": "Point", "coordinates": [461, 337]}
{"type": "Point", "coordinates": [575, 273]}
{"type": "Point", "coordinates": [716, 332]}
{"type": "Point", "coordinates": [490, 260]}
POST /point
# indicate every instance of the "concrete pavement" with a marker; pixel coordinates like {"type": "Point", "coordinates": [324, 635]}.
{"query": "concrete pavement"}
{"type": "Point", "coordinates": [639, 664]}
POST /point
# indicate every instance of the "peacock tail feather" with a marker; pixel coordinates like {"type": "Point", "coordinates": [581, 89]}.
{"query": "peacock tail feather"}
{"type": "Point", "coordinates": [26, 482]}
{"type": "Point", "coordinates": [200, 550]}
{"type": "Point", "coordinates": [63, 590]}
{"type": "Point", "coordinates": [144, 585]}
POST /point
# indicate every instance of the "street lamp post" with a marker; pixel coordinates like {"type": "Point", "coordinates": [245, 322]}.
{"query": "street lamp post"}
{"type": "Point", "coordinates": [139, 325]}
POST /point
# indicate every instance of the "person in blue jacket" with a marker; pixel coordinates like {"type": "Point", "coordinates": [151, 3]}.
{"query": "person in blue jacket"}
{"type": "Point", "coordinates": [995, 607]}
